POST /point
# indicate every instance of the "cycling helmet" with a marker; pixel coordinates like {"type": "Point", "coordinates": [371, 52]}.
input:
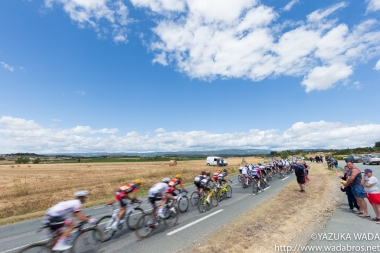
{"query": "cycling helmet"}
{"type": "Point", "coordinates": [79, 194]}
{"type": "Point", "coordinates": [166, 180]}
{"type": "Point", "coordinates": [203, 172]}
{"type": "Point", "coordinates": [259, 164]}
{"type": "Point", "coordinates": [178, 176]}
{"type": "Point", "coordinates": [208, 173]}
{"type": "Point", "coordinates": [225, 170]}
{"type": "Point", "coordinates": [137, 181]}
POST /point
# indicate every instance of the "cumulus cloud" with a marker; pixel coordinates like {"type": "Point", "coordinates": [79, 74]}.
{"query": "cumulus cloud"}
{"type": "Point", "coordinates": [81, 92]}
{"type": "Point", "coordinates": [243, 39]}
{"type": "Point", "coordinates": [290, 5]}
{"type": "Point", "coordinates": [373, 5]}
{"type": "Point", "coordinates": [101, 15]}
{"type": "Point", "coordinates": [21, 135]}
{"type": "Point", "coordinates": [322, 78]}
{"type": "Point", "coordinates": [377, 66]}
{"type": "Point", "coordinates": [7, 66]}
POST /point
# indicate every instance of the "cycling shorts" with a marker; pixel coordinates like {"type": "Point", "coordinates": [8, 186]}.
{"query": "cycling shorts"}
{"type": "Point", "coordinates": [58, 222]}
{"type": "Point", "coordinates": [197, 184]}
{"type": "Point", "coordinates": [155, 197]}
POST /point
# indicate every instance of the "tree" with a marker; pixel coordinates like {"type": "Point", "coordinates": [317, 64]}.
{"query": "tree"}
{"type": "Point", "coordinates": [22, 160]}
{"type": "Point", "coordinates": [377, 144]}
{"type": "Point", "coordinates": [38, 160]}
{"type": "Point", "coordinates": [284, 154]}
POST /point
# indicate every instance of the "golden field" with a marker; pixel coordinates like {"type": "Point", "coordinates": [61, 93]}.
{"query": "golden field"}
{"type": "Point", "coordinates": [27, 190]}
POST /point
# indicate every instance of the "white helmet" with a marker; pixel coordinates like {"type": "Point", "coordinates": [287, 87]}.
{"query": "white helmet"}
{"type": "Point", "coordinates": [81, 194]}
{"type": "Point", "coordinates": [166, 180]}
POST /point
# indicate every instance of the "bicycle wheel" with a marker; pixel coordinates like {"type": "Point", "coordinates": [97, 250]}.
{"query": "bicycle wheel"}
{"type": "Point", "coordinates": [202, 204]}
{"type": "Point", "coordinates": [38, 247]}
{"type": "Point", "coordinates": [240, 178]}
{"type": "Point", "coordinates": [214, 199]}
{"type": "Point", "coordinates": [183, 204]}
{"type": "Point", "coordinates": [89, 240]}
{"type": "Point", "coordinates": [133, 217]}
{"type": "Point", "coordinates": [229, 191]}
{"type": "Point", "coordinates": [145, 226]}
{"type": "Point", "coordinates": [104, 224]}
{"type": "Point", "coordinates": [194, 198]}
{"type": "Point", "coordinates": [255, 187]}
{"type": "Point", "coordinates": [171, 217]}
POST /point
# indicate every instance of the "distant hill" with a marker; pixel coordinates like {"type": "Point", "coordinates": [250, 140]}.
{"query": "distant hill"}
{"type": "Point", "coordinates": [224, 152]}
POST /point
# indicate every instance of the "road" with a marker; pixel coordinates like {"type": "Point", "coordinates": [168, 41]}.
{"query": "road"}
{"type": "Point", "coordinates": [191, 226]}
{"type": "Point", "coordinates": [343, 224]}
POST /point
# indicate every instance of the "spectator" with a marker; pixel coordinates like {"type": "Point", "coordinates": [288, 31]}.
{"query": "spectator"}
{"type": "Point", "coordinates": [300, 174]}
{"type": "Point", "coordinates": [371, 186]}
{"type": "Point", "coordinates": [336, 163]}
{"type": "Point", "coordinates": [354, 181]}
{"type": "Point", "coordinates": [306, 172]}
{"type": "Point", "coordinates": [350, 197]}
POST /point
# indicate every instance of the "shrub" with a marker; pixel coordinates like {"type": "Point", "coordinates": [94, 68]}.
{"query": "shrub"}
{"type": "Point", "coordinates": [38, 160]}
{"type": "Point", "coordinates": [22, 160]}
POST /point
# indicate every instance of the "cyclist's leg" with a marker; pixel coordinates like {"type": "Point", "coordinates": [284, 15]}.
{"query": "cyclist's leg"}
{"type": "Point", "coordinates": [123, 208]}
{"type": "Point", "coordinates": [57, 223]}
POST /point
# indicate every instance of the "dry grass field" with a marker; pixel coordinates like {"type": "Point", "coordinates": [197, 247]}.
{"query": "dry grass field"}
{"type": "Point", "coordinates": [281, 220]}
{"type": "Point", "coordinates": [27, 190]}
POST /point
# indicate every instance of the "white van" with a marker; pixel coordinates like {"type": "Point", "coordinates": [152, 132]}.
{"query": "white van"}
{"type": "Point", "coordinates": [213, 160]}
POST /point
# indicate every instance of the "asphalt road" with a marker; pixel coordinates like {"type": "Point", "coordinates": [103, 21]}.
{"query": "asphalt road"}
{"type": "Point", "coordinates": [347, 229]}
{"type": "Point", "coordinates": [191, 225]}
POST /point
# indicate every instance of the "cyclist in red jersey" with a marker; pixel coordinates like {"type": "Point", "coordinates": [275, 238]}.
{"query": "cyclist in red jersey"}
{"type": "Point", "coordinates": [122, 195]}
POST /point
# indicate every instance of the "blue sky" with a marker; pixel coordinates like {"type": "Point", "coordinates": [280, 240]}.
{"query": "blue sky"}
{"type": "Point", "coordinates": [171, 75]}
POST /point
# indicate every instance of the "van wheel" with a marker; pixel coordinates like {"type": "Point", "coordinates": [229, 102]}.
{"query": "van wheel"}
{"type": "Point", "coordinates": [208, 164]}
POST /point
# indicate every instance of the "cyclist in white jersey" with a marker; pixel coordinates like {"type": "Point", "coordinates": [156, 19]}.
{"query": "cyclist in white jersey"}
{"type": "Point", "coordinates": [245, 174]}
{"type": "Point", "coordinates": [159, 192]}
{"type": "Point", "coordinates": [56, 214]}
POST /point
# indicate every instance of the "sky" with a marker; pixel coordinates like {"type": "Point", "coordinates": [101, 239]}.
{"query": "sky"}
{"type": "Point", "coordinates": [178, 75]}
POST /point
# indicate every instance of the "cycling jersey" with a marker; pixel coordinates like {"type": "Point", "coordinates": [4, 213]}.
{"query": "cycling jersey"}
{"type": "Point", "coordinates": [63, 208]}
{"type": "Point", "coordinates": [256, 172]}
{"type": "Point", "coordinates": [205, 182]}
{"type": "Point", "coordinates": [175, 182]}
{"type": "Point", "coordinates": [216, 174]}
{"type": "Point", "coordinates": [245, 171]}
{"type": "Point", "coordinates": [125, 190]}
{"type": "Point", "coordinates": [158, 188]}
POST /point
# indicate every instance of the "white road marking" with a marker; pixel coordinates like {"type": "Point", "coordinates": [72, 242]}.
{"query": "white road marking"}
{"type": "Point", "coordinates": [98, 207]}
{"type": "Point", "coordinates": [285, 178]}
{"type": "Point", "coordinates": [21, 247]}
{"type": "Point", "coordinates": [194, 222]}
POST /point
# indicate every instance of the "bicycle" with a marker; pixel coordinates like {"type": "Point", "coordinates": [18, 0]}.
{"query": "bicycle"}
{"type": "Point", "coordinates": [182, 201]}
{"type": "Point", "coordinates": [249, 182]}
{"type": "Point", "coordinates": [203, 203]}
{"type": "Point", "coordinates": [149, 222]}
{"type": "Point", "coordinates": [130, 218]}
{"type": "Point", "coordinates": [194, 197]}
{"type": "Point", "coordinates": [87, 239]}
{"type": "Point", "coordinates": [224, 191]}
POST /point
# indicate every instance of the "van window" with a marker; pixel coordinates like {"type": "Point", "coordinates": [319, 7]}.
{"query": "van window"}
{"type": "Point", "coordinates": [215, 159]}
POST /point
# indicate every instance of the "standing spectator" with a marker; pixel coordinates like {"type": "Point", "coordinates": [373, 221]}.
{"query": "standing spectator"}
{"type": "Point", "coordinates": [350, 197]}
{"type": "Point", "coordinates": [371, 186]}
{"type": "Point", "coordinates": [300, 174]}
{"type": "Point", "coordinates": [354, 180]}
{"type": "Point", "coordinates": [306, 172]}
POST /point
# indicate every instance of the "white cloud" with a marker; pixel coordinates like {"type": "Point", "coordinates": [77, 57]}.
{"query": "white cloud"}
{"type": "Point", "coordinates": [7, 66]}
{"type": "Point", "coordinates": [318, 15]}
{"type": "Point", "coordinates": [81, 92]}
{"type": "Point", "coordinates": [322, 78]}
{"type": "Point", "coordinates": [98, 14]}
{"type": "Point", "coordinates": [20, 135]}
{"type": "Point", "coordinates": [56, 120]}
{"type": "Point", "coordinates": [373, 5]}
{"type": "Point", "coordinates": [290, 5]}
{"type": "Point", "coordinates": [240, 39]}
{"type": "Point", "coordinates": [377, 66]}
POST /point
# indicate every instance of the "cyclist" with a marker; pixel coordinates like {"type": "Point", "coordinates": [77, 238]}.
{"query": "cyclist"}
{"type": "Point", "coordinates": [223, 178]}
{"type": "Point", "coordinates": [245, 174]}
{"type": "Point", "coordinates": [205, 183]}
{"type": "Point", "coordinates": [280, 165]}
{"type": "Point", "coordinates": [159, 192]}
{"type": "Point", "coordinates": [55, 218]}
{"type": "Point", "coordinates": [177, 181]}
{"type": "Point", "coordinates": [256, 173]}
{"type": "Point", "coordinates": [122, 195]}
{"type": "Point", "coordinates": [197, 180]}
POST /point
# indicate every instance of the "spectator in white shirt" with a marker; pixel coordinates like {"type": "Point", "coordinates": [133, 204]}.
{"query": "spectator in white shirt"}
{"type": "Point", "coordinates": [371, 187]}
